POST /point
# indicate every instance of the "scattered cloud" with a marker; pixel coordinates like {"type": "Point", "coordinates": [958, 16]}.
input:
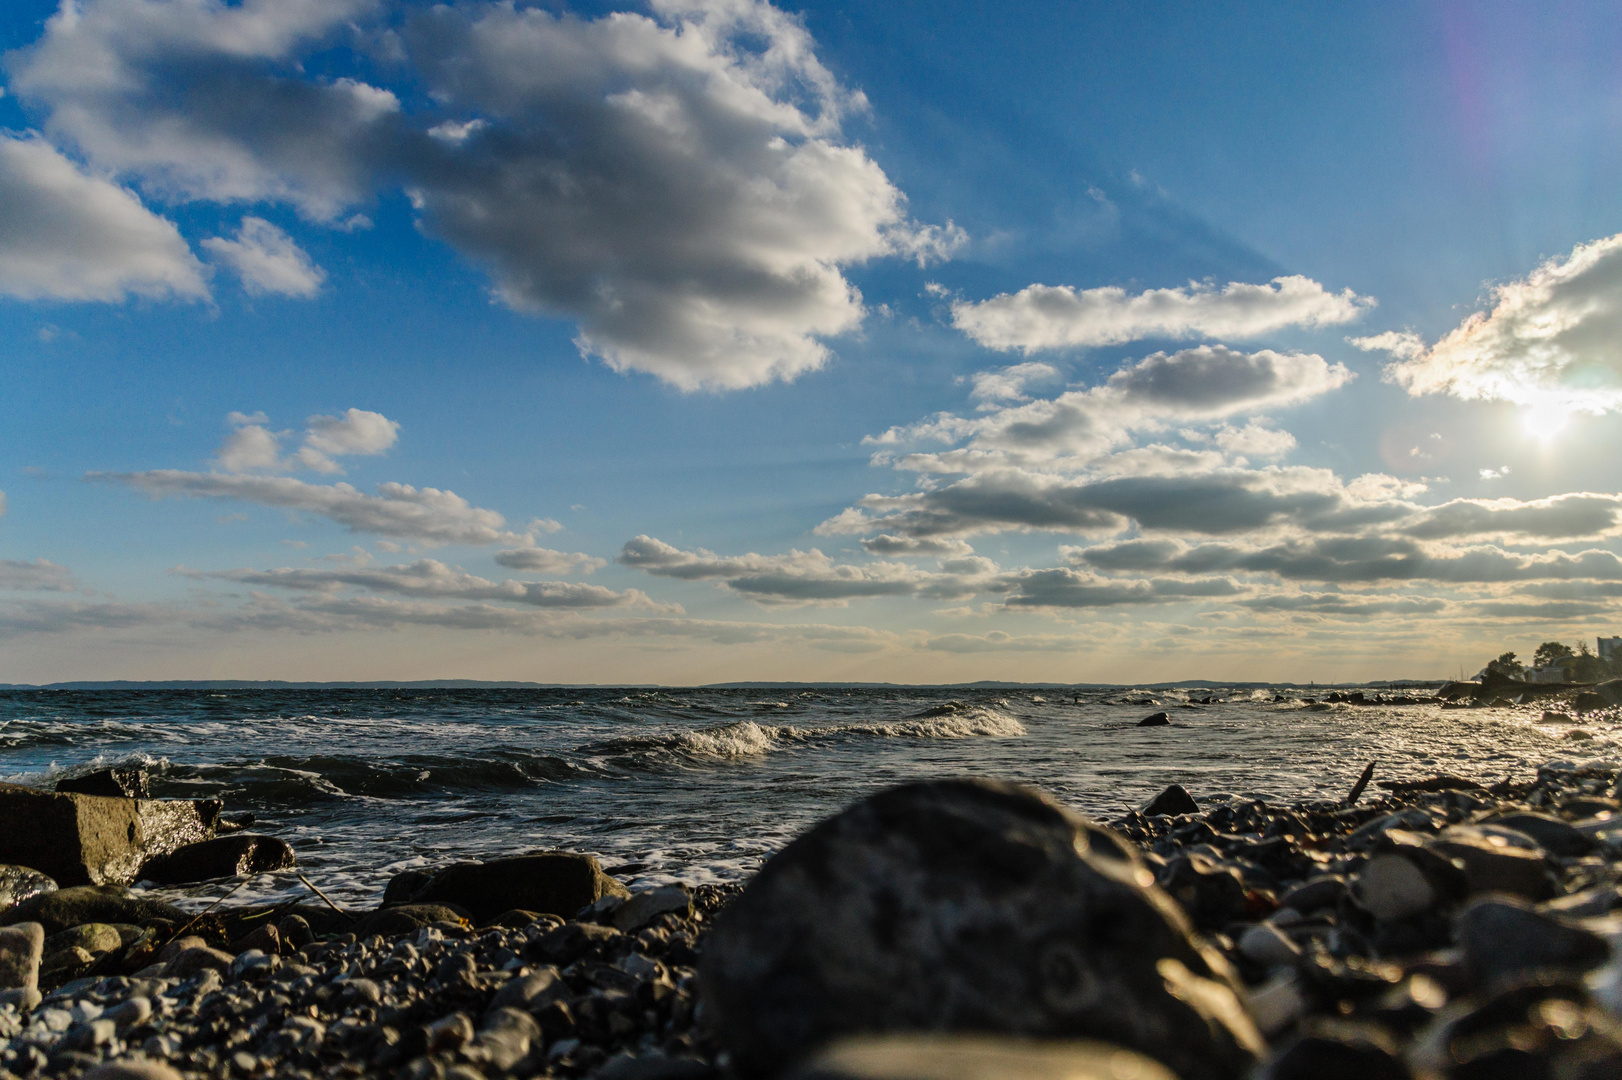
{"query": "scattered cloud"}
{"type": "Point", "coordinates": [1550, 340]}
{"type": "Point", "coordinates": [1041, 317]}
{"type": "Point", "coordinates": [1204, 384]}
{"type": "Point", "coordinates": [253, 447]}
{"type": "Point", "coordinates": [539, 560]}
{"type": "Point", "coordinates": [427, 516]}
{"type": "Point", "coordinates": [431, 578]}
{"type": "Point", "coordinates": [267, 260]}
{"type": "Point", "coordinates": [40, 575]}
{"type": "Point", "coordinates": [1009, 383]}
{"type": "Point", "coordinates": [804, 577]}
{"type": "Point", "coordinates": [69, 235]}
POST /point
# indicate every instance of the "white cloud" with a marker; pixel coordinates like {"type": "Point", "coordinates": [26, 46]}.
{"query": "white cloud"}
{"type": "Point", "coordinates": [431, 578]}
{"type": "Point", "coordinates": [67, 235]}
{"type": "Point", "coordinates": [677, 183]}
{"type": "Point", "coordinates": [40, 575]}
{"type": "Point", "coordinates": [2, 504]}
{"type": "Point", "coordinates": [204, 100]}
{"type": "Point", "coordinates": [539, 560]}
{"type": "Point", "coordinates": [1552, 340]}
{"type": "Point", "coordinates": [427, 516]}
{"type": "Point", "coordinates": [1042, 317]}
{"type": "Point", "coordinates": [801, 577]}
{"type": "Point", "coordinates": [254, 447]}
{"type": "Point", "coordinates": [267, 260]}
{"type": "Point", "coordinates": [1255, 440]}
{"type": "Point", "coordinates": [1404, 344]}
{"type": "Point", "coordinates": [1204, 384]}
{"type": "Point", "coordinates": [1009, 383]}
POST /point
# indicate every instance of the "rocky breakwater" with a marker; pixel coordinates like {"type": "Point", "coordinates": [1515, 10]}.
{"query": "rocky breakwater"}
{"type": "Point", "coordinates": [949, 930]}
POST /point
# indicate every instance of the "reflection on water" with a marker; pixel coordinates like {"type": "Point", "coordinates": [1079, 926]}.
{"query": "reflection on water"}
{"type": "Point", "coordinates": [701, 785]}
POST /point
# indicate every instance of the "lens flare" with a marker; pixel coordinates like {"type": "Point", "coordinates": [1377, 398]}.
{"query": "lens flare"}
{"type": "Point", "coordinates": [1546, 419]}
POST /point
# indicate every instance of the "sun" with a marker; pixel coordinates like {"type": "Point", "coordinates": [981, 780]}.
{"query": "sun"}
{"type": "Point", "coordinates": [1544, 420]}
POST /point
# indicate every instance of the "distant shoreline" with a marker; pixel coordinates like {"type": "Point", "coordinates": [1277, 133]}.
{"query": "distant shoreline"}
{"type": "Point", "coordinates": [475, 684]}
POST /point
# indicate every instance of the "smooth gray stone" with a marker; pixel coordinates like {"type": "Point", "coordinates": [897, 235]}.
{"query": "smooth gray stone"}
{"type": "Point", "coordinates": [963, 905]}
{"type": "Point", "coordinates": [977, 1057]}
{"type": "Point", "coordinates": [643, 907]}
{"type": "Point", "coordinates": [21, 949]}
{"type": "Point", "coordinates": [1502, 937]}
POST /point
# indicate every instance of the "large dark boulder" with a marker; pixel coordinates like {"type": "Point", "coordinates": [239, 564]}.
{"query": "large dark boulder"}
{"type": "Point", "coordinates": [19, 883]}
{"type": "Point", "coordinates": [224, 856]}
{"type": "Point", "coordinates": [961, 905]}
{"type": "Point", "coordinates": [122, 783]}
{"type": "Point", "coordinates": [95, 839]}
{"type": "Point", "coordinates": [1171, 802]}
{"type": "Point", "coordinates": [80, 904]}
{"type": "Point", "coordinates": [551, 883]}
{"type": "Point", "coordinates": [1159, 719]}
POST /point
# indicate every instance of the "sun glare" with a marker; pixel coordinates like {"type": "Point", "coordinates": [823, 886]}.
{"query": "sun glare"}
{"type": "Point", "coordinates": [1546, 419]}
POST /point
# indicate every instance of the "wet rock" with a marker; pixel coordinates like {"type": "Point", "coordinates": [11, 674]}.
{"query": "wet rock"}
{"type": "Point", "coordinates": [58, 967]}
{"type": "Point", "coordinates": [226, 856]}
{"type": "Point", "coordinates": [1550, 833]}
{"type": "Point", "coordinates": [1315, 894]}
{"type": "Point", "coordinates": [1403, 883]}
{"type": "Point", "coordinates": [267, 939]}
{"type": "Point", "coordinates": [21, 949]}
{"type": "Point", "coordinates": [406, 918]}
{"type": "Point", "coordinates": [1537, 1029]}
{"type": "Point", "coordinates": [94, 840]}
{"type": "Point", "coordinates": [1332, 1050]}
{"type": "Point", "coordinates": [118, 783]}
{"type": "Point", "coordinates": [1171, 802]}
{"type": "Point", "coordinates": [1494, 866]}
{"type": "Point", "coordinates": [199, 958]}
{"type": "Point", "coordinates": [1552, 717]}
{"type": "Point", "coordinates": [531, 992]}
{"type": "Point", "coordinates": [643, 907]}
{"type": "Point", "coordinates": [1159, 719]}
{"type": "Point", "coordinates": [504, 1038]}
{"type": "Point", "coordinates": [1440, 782]}
{"type": "Point", "coordinates": [1212, 893]}
{"type": "Point", "coordinates": [1501, 937]}
{"type": "Point", "coordinates": [571, 941]}
{"type": "Point", "coordinates": [976, 1057]}
{"type": "Point", "coordinates": [553, 883]}
{"type": "Point", "coordinates": [1588, 701]}
{"type": "Point", "coordinates": [965, 905]}
{"type": "Point", "coordinates": [19, 883]}
{"type": "Point", "coordinates": [80, 904]}
{"type": "Point", "coordinates": [295, 931]}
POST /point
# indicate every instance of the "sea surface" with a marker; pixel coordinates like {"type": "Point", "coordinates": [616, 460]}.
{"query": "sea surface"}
{"type": "Point", "coordinates": [702, 785]}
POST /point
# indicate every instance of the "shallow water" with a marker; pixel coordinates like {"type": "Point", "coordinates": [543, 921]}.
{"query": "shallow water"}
{"type": "Point", "coordinates": [702, 785]}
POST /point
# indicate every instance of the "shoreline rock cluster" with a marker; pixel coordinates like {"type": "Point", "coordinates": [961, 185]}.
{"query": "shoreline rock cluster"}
{"type": "Point", "coordinates": [1429, 928]}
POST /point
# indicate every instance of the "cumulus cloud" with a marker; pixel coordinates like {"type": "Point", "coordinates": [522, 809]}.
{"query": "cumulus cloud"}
{"type": "Point", "coordinates": [1041, 317]}
{"type": "Point", "coordinates": [267, 260]}
{"type": "Point", "coordinates": [1552, 339]}
{"type": "Point", "coordinates": [1067, 588]}
{"type": "Point", "coordinates": [908, 547]}
{"type": "Point", "coordinates": [427, 516]}
{"type": "Point", "coordinates": [1255, 440]}
{"type": "Point", "coordinates": [1204, 384]}
{"type": "Point", "coordinates": [675, 182]}
{"type": "Point", "coordinates": [69, 235]}
{"type": "Point", "coordinates": [252, 446]}
{"type": "Point", "coordinates": [431, 578]}
{"type": "Point", "coordinates": [1009, 383]}
{"type": "Point", "coordinates": [200, 99]}
{"type": "Point", "coordinates": [40, 575]}
{"type": "Point", "coordinates": [804, 577]}
{"type": "Point", "coordinates": [539, 560]}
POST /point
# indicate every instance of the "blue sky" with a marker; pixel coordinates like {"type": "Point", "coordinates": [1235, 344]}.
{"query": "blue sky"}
{"type": "Point", "coordinates": [698, 341]}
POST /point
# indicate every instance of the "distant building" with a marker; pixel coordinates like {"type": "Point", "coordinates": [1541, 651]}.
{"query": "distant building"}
{"type": "Point", "coordinates": [1554, 673]}
{"type": "Point", "coordinates": [1610, 649]}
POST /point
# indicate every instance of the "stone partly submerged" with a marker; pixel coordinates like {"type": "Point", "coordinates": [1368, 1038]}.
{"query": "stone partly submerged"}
{"type": "Point", "coordinates": [93, 839]}
{"type": "Point", "coordinates": [549, 883]}
{"type": "Point", "coordinates": [225, 856]}
{"type": "Point", "coordinates": [119, 783]}
{"type": "Point", "coordinates": [967, 906]}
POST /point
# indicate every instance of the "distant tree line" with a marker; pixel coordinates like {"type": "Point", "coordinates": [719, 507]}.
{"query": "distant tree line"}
{"type": "Point", "coordinates": [1579, 664]}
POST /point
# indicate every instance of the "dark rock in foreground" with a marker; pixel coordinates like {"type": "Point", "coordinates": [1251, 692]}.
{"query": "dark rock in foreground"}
{"type": "Point", "coordinates": [1174, 800]}
{"type": "Point", "coordinates": [977, 1057]}
{"type": "Point", "coordinates": [1159, 719]}
{"type": "Point", "coordinates": [552, 883]}
{"type": "Point", "coordinates": [19, 883]}
{"type": "Point", "coordinates": [967, 906]}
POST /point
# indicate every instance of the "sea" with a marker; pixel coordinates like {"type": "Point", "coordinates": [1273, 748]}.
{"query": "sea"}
{"type": "Point", "coordinates": [703, 785]}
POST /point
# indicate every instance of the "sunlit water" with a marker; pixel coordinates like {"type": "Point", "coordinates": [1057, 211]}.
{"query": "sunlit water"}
{"type": "Point", "coordinates": [702, 785]}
